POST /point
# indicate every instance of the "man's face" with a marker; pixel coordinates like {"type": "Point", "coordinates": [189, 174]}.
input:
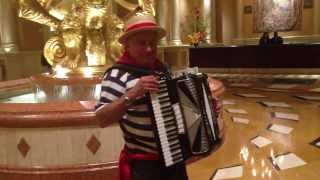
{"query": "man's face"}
{"type": "Point", "coordinates": [142, 47]}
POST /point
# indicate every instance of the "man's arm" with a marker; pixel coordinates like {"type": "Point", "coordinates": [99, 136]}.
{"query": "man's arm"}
{"type": "Point", "coordinates": [114, 111]}
{"type": "Point", "coordinates": [111, 113]}
{"type": "Point", "coordinates": [217, 89]}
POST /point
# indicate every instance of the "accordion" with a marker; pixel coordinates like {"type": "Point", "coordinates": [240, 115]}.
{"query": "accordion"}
{"type": "Point", "coordinates": [184, 118]}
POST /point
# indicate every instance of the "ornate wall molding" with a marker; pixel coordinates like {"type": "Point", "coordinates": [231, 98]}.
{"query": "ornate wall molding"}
{"type": "Point", "coordinates": [94, 171]}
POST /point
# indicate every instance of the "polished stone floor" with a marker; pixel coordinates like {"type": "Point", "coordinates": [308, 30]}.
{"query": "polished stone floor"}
{"type": "Point", "coordinates": [246, 118]}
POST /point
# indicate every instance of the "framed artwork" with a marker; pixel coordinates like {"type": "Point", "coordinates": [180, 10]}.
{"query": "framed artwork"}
{"type": "Point", "coordinates": [277, 15]}
{"type": "Point", "coordinates": [247, 9]}
{"type": "Point", "coordinates": [308, 4]}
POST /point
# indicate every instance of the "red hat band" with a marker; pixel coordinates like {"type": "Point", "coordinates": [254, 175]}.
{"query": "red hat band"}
{"type": "Point", "coordinates": [141, 26]}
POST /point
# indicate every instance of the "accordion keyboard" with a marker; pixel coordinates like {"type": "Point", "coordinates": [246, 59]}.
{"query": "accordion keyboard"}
{"type": "Point", "coordinates": [169, 123]}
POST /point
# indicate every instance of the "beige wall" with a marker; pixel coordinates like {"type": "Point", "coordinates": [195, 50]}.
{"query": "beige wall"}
{"type": "Point", "coordinates": [20, 65]}
{"type": "Point", "coordinates": [31, 35]}
{"type": "Point", "coordinates": [228, 20]}
{"type": "Point", "coordinates": [247, 20]}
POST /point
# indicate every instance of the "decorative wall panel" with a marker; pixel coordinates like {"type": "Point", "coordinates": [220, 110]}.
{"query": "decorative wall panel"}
{"type": "Point", "coordinates": [277, 15]}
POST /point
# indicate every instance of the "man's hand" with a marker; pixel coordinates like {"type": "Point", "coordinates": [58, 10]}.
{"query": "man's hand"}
{"type": "Point", "coordinates": [216, 87]}
{"type": "Point", "coordinates": [145, 84]}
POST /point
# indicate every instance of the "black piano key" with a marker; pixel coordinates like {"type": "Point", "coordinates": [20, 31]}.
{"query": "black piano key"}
{"type": "Point", "coordinates": [177, 154]}
{"type": "Point", "coordinates": [172, 131]}
{"type": "Point", "coordinates": [168, 110]}
{"type": "Point", "coordinates": [169, 146]}
{"type": "Point", "coordinates": [168, 133]}
{"type": "Point", "coordinates": [163, 90]}
{"type": "Point", "coordinates": [168, 126]}
{"type": "Point", "coordinates": [162, 86]}
{"type": "Point", "coordinates": [171, 128]}
{"type": "Point", "coordinates": [173, 137]}
{"type": "Point", "coordinates": [170, 138]}
{"type": "Point", "coordinates": [174, 145]}
{"type": "Point", "coordinates": [167, 104]}
{"type": "Point", "coordinates": [166, 107]}
{"type": "Point", "coordinates": [170, 122]}
{"type": "Point", "coordinates": [168, 119]}
{"type": "Point", "coordinates": [177, 158]}
{"type": "Point", "coordinates": [169, 114]}
{"type": "Point", "coordinates": [164, 100]}
{"type": "Point", "coordinates": [163, 106]}
{"type": "Point", "coordinates": [163, 95]}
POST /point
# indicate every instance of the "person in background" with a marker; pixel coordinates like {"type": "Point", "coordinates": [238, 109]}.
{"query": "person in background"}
{"type": "Point", "coordinates": [276, 39]}
{"type": "Point", "coordinates": [265, 39]}
{"type": "Point", "coordinates": [123, 101]}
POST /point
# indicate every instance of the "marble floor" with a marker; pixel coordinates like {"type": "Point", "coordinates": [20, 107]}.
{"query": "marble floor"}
{"type": "Point", "coordinates": [272, 131]}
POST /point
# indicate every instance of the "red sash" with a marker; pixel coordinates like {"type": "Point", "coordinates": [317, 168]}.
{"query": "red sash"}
{"type": "Point", "coordinates": [125, 161]}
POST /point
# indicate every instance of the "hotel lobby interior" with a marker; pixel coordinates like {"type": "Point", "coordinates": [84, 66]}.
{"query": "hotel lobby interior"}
{"type": "Point", "coordinates": [53, 54]}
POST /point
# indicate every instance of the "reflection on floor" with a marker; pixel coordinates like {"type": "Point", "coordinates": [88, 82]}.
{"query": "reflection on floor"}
{"type": "Point", "coordinates": [272, 130]}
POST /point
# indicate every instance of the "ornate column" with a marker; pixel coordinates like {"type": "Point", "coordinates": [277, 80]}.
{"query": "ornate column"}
{"type": "Point", "coordinates": [161, 14]}
{"type": "Point", "coordinates": [209, 17]}
{"type": "Point", "coordinates": [1, 49]}
{"type": "Point", "coordinates": [316, 17]}
{"type": "Point", "coordinates": [175, 23]}
{"type": "Point", "coordinates": [8, 26]}
{"type": "Point", "coordinates": [239, 19]}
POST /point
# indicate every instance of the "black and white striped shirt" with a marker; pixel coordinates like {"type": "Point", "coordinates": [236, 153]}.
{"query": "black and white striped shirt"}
{"type": "Point", "coordinates": [136, 123]}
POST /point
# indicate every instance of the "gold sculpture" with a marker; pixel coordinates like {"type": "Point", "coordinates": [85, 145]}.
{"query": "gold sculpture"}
{"type": "Point", "coordinates": [85, 31]}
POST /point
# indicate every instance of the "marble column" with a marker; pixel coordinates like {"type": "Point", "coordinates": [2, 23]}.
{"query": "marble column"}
{"type": "Point", "coordinates": [175, 23]}
{"type": "Point", "coordinates": [316, 17]}
{"type": "Point", "coordinates": [161, 15]}
{"type": "Point", "coordinates": [8, 26]}
{"type": "Point", "coordinates": [1, 49]}
{"type": "Point", "coordinates": [209, 17]}
{"type": "Point", "coordinates": [239, 19]}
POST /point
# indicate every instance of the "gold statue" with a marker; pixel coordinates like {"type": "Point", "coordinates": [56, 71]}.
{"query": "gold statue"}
{"type": "Point", "coordinates": [147, 6]}
{"type": "Point", "coordinates": [86, 31]}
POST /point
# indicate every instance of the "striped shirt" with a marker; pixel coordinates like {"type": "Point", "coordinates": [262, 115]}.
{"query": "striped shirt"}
{"type": "Point", "coordinates": [136, 123]}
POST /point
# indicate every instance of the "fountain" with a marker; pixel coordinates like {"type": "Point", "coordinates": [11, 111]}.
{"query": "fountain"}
{"type": "Point", "coordinates": [48, 128]}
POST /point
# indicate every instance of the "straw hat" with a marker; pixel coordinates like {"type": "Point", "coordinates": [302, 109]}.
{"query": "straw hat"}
{"type": "Point", "coordinates": [140, 23]}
